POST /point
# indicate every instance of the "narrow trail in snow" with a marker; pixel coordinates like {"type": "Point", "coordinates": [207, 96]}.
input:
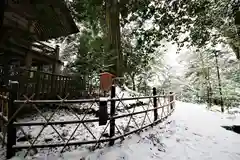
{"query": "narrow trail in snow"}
{"type": "Point", "coordinates": [191, 133]}
{"type": "Point", "coordinates": [200, 135]}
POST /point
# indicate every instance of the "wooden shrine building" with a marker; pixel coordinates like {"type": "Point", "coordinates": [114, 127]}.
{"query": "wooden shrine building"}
{"type": "Point", "coordinates": [24, 25]}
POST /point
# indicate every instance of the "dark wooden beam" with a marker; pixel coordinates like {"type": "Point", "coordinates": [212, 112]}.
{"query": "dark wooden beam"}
{"type": "Point", "coordinates": [2, 9]}
{"type": "Point", "coordinates": [41, 58]}
{"type": "Point", "coordinates": [53, 18]}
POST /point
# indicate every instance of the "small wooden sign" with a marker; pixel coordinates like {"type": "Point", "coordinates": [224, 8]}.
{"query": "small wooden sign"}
{"type": "Point", "coordinates": [106, 81]}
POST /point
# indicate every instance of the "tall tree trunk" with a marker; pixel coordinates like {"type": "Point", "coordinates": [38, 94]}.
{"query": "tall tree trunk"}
{"type": "Point", "coordinates": [207, 80]}
{"type": "Point", "coordinates": [140, 83]}
{"type": "Point", "coordinates": [133, 82]}
{"type": "Point", "coordinates": [113, 24]}
{"type": "Point", "coordinates": [235, 49]}
{"type": "Point", "coordinates": [145, 88]}
{"type": "Point", "coordinates": [219, 81]}
{"type": "Point", "coordinates": [209, 88]}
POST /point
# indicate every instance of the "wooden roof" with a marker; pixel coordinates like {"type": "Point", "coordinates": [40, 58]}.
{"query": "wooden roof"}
{"type": "Point", "coordinates": [45, 19]}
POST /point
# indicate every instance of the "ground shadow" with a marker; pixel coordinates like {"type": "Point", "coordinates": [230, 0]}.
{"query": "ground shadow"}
{"type": "Point", "coordinates": [234, 128]}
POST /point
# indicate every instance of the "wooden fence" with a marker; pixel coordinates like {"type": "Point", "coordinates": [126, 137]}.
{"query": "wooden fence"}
{"type": "Point", "coordinates": [4, 99]}
{"type": "Point", "coordinates": [108, 115]}
{"type": "Point", "coordinates": [42, 85]}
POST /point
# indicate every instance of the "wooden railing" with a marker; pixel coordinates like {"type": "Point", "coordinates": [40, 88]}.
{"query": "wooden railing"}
{"type": "Point", "coordinates": [4, 97]}
{"type": "Point", "coordinates": [42, 85]}
{"type": "Point", "coordinates": [43, 49]}
{"type": "Point", "coordinates": [111, 111]}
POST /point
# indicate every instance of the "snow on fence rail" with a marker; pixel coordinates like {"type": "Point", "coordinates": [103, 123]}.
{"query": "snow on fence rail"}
{"type": "Point", "coordinates": [114, 115]}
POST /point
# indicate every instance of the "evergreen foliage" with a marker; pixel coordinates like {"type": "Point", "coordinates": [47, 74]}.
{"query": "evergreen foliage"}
{"type": "Point", "coordinates": [132, 36]}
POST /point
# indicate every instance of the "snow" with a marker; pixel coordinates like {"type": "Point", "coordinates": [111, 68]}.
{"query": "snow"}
{"type": "Point", "coordinates": [50, 136]}
{"type": "Point", "coordinates": [192, 133]}
{"type": "Point", "coordinates": [126, 93]}
{"type": "Point", "coordinates": [234, 110]}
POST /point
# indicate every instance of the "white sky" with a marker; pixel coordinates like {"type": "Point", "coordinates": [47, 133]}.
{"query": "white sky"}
{"type": "Point", "coordinates": [171, 58]}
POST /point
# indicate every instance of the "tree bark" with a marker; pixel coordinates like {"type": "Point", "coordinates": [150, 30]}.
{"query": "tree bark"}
{"type": "Point", "coordinates": [140, 83]}
{"type": "Point", "coordinates": [235, 49]}
{"type": "Point", "coordinates": [219, 81]}
{"type": "Point", "coordinates": [209, 88]}
{"type": "Point", "coordinates": [133, 82]}
{"type": "Point", "coordinates": [113, 24]}
{"type": "Point", "coordinates": [207, 79]}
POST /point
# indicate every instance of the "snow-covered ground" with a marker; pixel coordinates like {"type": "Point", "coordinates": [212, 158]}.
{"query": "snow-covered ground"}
{"type": "Point", "coordinates": [192, 133]}
{"type": "Point", "coordinates": [64, 132]}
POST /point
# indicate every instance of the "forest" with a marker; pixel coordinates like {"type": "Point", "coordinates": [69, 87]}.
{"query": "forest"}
{"type": "Point", "coordinates": [131, 38]}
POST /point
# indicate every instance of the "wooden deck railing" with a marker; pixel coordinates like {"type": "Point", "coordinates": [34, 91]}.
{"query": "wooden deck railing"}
{"type": "Point", "coordinates": [42, 84]}
{"type": "Point", "coordinates": [105, 128]}
{"type": "Point", "coordinates": [43, 49]}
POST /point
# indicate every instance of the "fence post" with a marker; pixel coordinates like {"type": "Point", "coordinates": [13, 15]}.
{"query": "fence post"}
{"type": "Point", "coordinates": [171, 98]}
{"type": "Point", "coordinates": [103, 114]}
{"type": "Point", "coordinates": [155, 104]}
{"type": "Point", "coordinates": [38, 83]}
{"type": "Point", "coordinates": [11, 130]}
{"type": "Point", "coordinates": [112, 113]}
{"type": "Point", "coordinates": [2, 103]}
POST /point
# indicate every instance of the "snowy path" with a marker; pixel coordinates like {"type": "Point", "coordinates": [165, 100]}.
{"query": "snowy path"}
{"type": "Point", "coordinates": [191, 133]}
{"type": "Point", "coordinates": [197, 134]}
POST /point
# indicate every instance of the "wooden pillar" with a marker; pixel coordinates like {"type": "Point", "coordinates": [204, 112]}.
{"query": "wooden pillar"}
{"type": "Point", "coordinates": [38, 81]}
{"type": "Point", "coordinates": [155, 104]}
{"type": "Point", "coordinates": [23, 81]}
{"type": "Point", "coordinates": [56, 66]}
{"type": "Point", "coordinates": [11, 130]}
{"type": "Point", "coordinates": [2, 10]}
{"type": "Point", "coordinates": [6, 69]}
{"type": "Point", "coordinates": [28, 61]}
{"type": "Point", "coordinates": [171, 99]}
{"type": "Point", "coordinates": [112, 113]}
{"type": "Point", "coordinates": [55, 70]}
{"type": "Point", "coordinates": [43, 88]}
